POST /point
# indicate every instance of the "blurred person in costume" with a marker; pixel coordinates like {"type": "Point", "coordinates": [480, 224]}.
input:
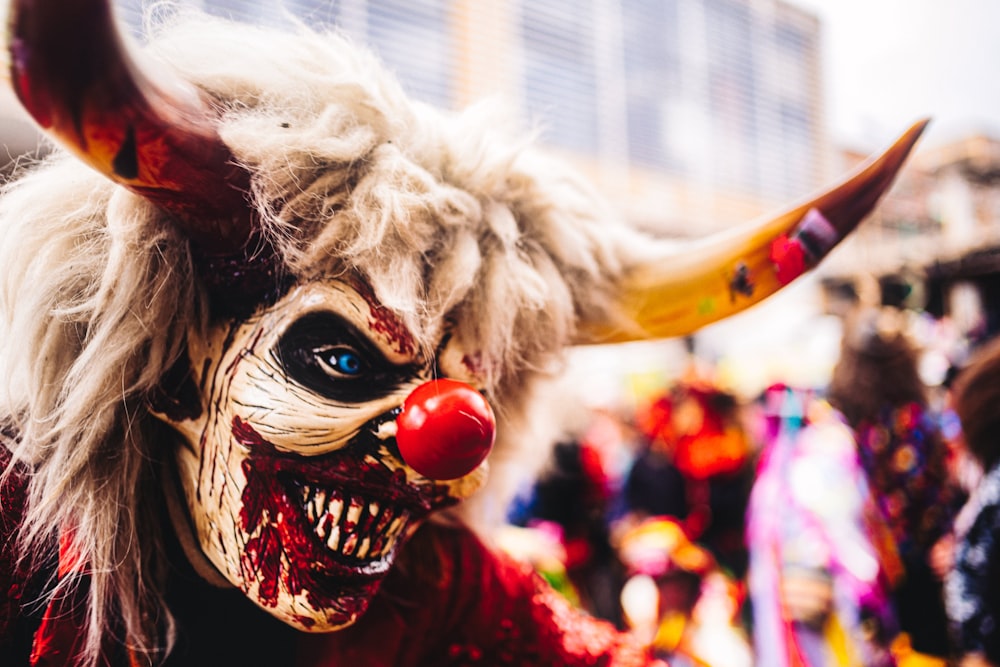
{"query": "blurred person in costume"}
{"type": "Point", "coordinates": [678, 598]}
{"type": "Point", "coordinates": [570, 502]}
{"type": "Point", "coordinates": [695, 467]}
{"type": "Point", "coordinates": [973, 586]}
{"type": "Point", "coordinates": [876, 386]}
{"type": "Point", "coordinates": [818, 585]}
{"type": "Point", "coordinates": [271, 339]}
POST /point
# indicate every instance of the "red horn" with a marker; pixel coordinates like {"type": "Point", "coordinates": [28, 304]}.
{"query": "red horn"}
{"type": "Point", "coordinates": [155, 135]}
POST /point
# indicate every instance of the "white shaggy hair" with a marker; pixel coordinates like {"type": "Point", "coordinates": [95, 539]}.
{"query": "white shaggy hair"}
{"type": "Point", "coordinates": [448, 217]}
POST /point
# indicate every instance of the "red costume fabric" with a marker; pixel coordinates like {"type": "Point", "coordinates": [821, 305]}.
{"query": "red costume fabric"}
{"type": "Point", "coordinates": [450, 602]}
{"type": "Point", "coordinates": [485, 609]}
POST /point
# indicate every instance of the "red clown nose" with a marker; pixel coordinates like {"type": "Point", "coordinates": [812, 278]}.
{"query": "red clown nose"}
{"type": "Point", "coordinates": [446, 429]}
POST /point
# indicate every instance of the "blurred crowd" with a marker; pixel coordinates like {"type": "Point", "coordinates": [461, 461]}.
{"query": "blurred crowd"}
{"type": "Point", "coordinates": [848, 524]}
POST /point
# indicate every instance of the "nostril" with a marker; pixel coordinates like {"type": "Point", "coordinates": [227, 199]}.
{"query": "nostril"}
{"type": "Point", "coordinates": [445, 430]}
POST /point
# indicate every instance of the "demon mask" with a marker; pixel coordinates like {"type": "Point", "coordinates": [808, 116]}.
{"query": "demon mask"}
{"type": "Point", "coordinates": [291, 472]}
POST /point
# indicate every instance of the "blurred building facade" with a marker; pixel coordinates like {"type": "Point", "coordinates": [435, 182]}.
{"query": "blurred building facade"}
{"type": "Point", "coordinates": [691, 115]}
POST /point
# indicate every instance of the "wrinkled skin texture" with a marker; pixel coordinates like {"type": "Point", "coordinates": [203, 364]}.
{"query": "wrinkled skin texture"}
{"type": "Point", "coordinates": [292, 481]}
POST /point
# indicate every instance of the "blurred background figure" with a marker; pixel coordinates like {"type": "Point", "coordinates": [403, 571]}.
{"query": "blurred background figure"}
{"type": "Point", "coordinates": [568, 510]}
{"type": "Point", "coordinates": [695, 468]}
{"type": "Point", "coordinates": [679, 535]}
{"type": "Point", "coordinates": [877, 388]}
{"type": "Point", "coordinates": [570, 501]}
{"type": "Point", "coordinates": [678, 600]}
{"type": "Point", "coordinates": [818, 583]}
{"type": "Point", "coordinates": [973, 587]}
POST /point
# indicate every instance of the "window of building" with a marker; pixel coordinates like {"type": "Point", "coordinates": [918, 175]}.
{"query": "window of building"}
{"type": "Point", "coordinates": [559, 71]}
{"type": "Point", "coordinates": [732, 93]}
{"type": "Point", "coordinates": [719, 92]}
{"type": "Point", "coordinates": [651, 64]}
{"type": "Point", "coordinates": [413, 39]}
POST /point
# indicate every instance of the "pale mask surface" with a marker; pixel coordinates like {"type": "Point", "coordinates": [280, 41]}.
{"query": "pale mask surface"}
{"type": "Point", "coordinates": [295, 488]}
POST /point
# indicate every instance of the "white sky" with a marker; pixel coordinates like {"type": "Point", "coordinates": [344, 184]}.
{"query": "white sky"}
{"type": "Point", "coordinates": [890, 62]}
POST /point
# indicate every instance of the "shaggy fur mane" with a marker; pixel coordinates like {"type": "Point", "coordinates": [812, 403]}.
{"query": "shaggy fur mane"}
{"type": "Point", "coordinates": [449, 217]}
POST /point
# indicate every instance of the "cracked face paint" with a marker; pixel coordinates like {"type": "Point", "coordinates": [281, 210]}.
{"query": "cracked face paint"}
{"type": "Point", "coordinates": [291, 474]}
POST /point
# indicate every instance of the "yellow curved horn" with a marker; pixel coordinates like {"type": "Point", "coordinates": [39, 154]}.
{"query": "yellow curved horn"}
{"type": "Point", "coordinates": [678, 289]}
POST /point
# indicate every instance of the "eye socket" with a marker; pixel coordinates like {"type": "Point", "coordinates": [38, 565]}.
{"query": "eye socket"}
{"type": "Point", "coordinates": [333, 358]}
{"type": "Point", "coordinates": [341, 361]}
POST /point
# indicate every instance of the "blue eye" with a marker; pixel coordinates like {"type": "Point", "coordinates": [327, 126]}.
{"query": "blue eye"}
{"type": "Point", "coordinates": [345, 362]}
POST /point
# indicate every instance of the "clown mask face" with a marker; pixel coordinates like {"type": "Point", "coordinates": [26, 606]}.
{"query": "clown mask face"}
{"type": "Point", "coordinates": [291, 474]}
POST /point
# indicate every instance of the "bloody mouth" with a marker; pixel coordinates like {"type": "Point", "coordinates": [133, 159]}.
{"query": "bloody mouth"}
{"type": "Point", "coordinates": [355, 529]}
{"type": "Point", "coordinates": [326, 526]}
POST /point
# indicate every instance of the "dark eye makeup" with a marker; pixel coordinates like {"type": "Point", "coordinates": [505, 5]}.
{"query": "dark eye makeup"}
{"type": "Point", "coordinates": [331, 357]}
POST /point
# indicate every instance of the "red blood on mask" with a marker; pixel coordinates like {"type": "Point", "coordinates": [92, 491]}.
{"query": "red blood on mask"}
{"type": "Point", "coordinates": [446, 429]}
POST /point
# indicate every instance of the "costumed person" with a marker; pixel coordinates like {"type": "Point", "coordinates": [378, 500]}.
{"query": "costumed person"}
{"type": "Point", "coordinates": [972, 588]}
{"type": "Point", "coordinates": [877, 386]}
{"type": "Point", "coordinates": [665, 571]}
{"type": "Point", "coordinates": [817, 583]}
{"type": "Point", "coordinates": [678, 598]}
{"type": "Point", "coordinates": [266, 326]}
{"type": "Point", "coordinates": [654, 485]}
{"type": "Point", "coordinates": [695, 467]}
{"type": "Point", "coordinates": [570, 501]}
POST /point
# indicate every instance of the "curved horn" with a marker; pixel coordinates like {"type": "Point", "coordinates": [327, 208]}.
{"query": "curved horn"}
{"type": "Point", "coordinates": [680, 289]}
{"type": "Point", "coordinates": [155, 135]}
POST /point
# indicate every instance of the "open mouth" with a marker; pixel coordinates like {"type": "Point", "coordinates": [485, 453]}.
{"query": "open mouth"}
{"type": "Point", "coordinates": [356, 529]}
{"type": "Point", "coordinates": [328, 522]}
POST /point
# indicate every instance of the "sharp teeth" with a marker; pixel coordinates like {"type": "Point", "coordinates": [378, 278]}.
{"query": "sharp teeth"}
{"type": "Point", "coordinates": [319, 502]}
{"type": "Point", "coordinates": [366, 521]}
{"type": "Point", "coordinates": [334, 539]}
{"type": "Point", "coordinates": [366, 530]}
{"type": "Point", "coordinates": [382, 540]}
{"type": "Point", "coordinates": [313, 509]}
{"type": "Point", "coordinates": [349, 544]}
{"type": "Point", "coordinates": [381, 537]}
{"type": "Point", "coordinates": [397, 525]}
{"type": "Point", "coordinates": [323, 526]}
{"type": "Point", "coordinates": [311, 512]}
{"type": "Point", "coordinates": [363, 549]}
{"type": "Point", "coordinates": [336, 509]}
{"type": "Point", "coordinates": [354, 513]}
{"type": "Point", "coordinates": [383, 521]}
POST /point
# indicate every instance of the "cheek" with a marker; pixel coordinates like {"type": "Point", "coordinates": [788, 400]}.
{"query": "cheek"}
{"type": "Point", "coordinates": [220, 476]}
{"type": "Point", "coordinates": [210, 465]}
{"type": "Point", "coordinates": [212, 487]}
{"type": "Point", "coordinates": [292, 418]}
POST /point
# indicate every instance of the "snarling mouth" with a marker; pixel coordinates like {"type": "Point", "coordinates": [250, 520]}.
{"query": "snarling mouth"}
{"type": "Point", "coordinates": [327, 527]}
{"type": "Point", "coordinates": [355, 527]}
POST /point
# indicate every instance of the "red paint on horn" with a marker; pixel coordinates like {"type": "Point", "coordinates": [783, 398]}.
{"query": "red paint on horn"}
{"type": "Point", "coordinates": [153, 133]}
